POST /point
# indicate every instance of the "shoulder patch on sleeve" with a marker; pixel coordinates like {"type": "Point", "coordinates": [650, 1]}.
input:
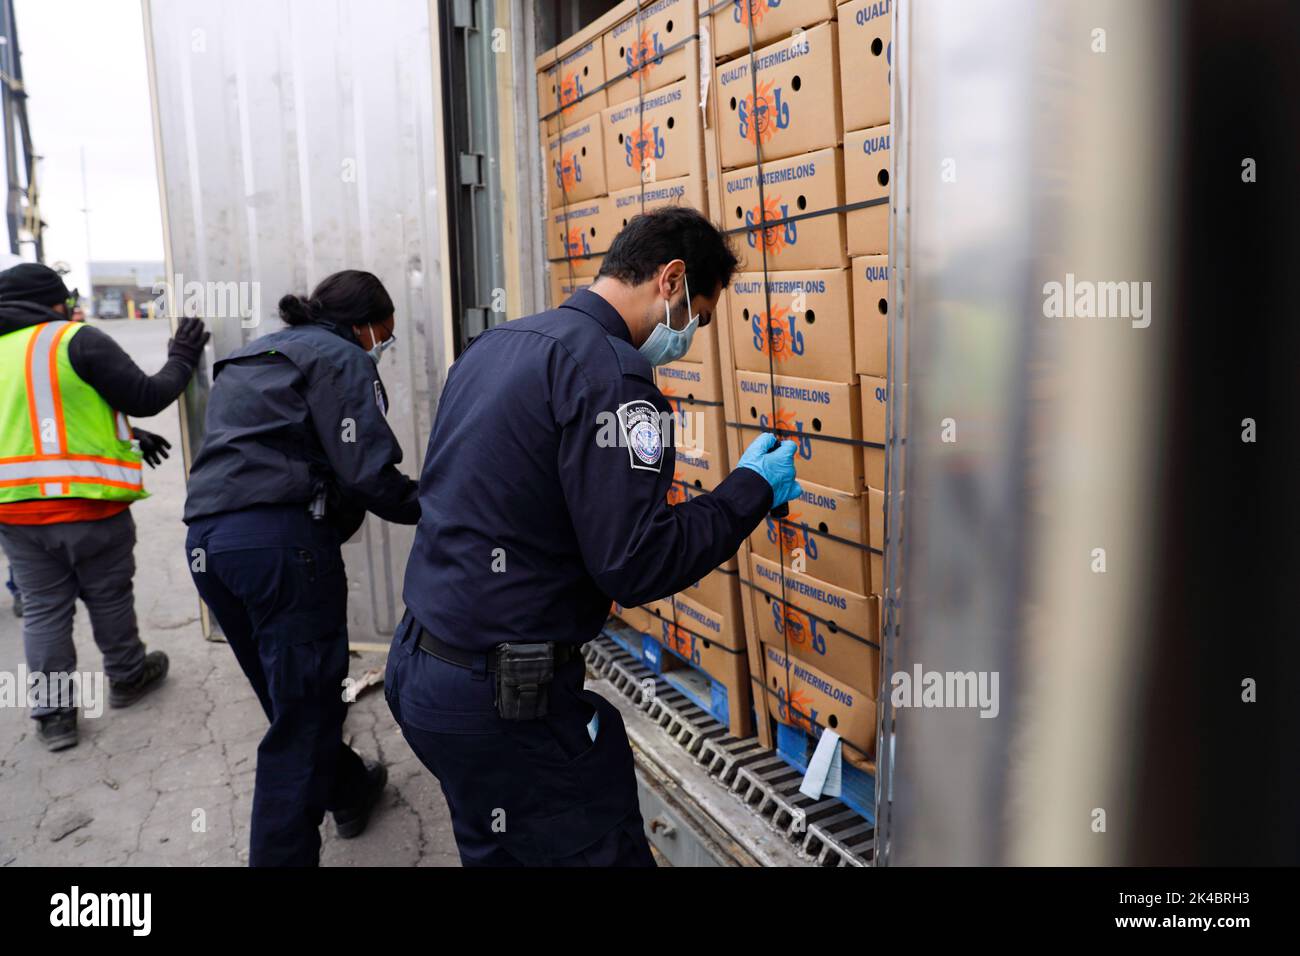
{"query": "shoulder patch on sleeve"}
{"type": "Point", "coordinates": [381, 397]}
{"type": "Point", "coordinates": [643, 434]}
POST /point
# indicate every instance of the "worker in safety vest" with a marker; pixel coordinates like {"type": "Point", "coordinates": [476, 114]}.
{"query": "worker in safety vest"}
{"type": "Point", "coordinates": [69, 471]}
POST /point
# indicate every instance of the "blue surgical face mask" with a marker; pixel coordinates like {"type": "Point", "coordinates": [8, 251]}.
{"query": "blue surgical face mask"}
{"type": "Point", "coordinates": [379, 348]}
{"type": "Point", "coordinates": [667, 344]}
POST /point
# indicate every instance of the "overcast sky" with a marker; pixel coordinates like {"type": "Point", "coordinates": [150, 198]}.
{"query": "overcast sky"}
{"type": "Point", "coordinates": [88, 85]}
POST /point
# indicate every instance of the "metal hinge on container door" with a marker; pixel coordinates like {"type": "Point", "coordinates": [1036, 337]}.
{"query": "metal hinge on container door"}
{"type": "Point", "coordinates": [471, 169]}
{"type": "Point", "coordinates": [462, 14]}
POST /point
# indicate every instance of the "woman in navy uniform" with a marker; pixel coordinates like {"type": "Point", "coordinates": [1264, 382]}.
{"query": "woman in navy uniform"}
{"type": "Point", "coordinates": [296, 450]}
{"type": "Point", "coordinates": [544, 496]}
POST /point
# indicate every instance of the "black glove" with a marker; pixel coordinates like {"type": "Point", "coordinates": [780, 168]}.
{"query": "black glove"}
{"type": "Point", "coordinates": [152, 447]}
{"type": "Point", "coordinates": [189, 340]}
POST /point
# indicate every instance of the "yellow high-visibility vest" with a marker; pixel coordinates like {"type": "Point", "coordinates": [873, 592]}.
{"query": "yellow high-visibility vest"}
{"type": "Point", "coordinates": [58, 437]}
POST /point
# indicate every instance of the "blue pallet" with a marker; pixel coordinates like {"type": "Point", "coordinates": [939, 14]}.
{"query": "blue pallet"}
{"type": "Point", "coordinates": [858, 788]}
{"type": "Point", "coordinates": [696, 685]}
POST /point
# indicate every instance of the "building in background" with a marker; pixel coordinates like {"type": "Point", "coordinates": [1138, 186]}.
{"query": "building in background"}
{"type": "Point", "coordinates": [123, 289]}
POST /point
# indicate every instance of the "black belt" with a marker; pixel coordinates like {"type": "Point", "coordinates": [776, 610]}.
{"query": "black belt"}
{"type": "Point", "coordinates": [475, 660]}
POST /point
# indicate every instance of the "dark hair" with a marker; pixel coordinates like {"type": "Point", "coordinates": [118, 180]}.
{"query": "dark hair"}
{"type": "Point", "coordinates": [346, 298]}
{"type": "Point", "coordinates": [653, 239]}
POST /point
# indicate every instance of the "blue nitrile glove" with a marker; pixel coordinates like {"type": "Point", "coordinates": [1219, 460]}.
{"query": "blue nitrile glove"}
{"type": "Point", "coordinates": [775, 462]}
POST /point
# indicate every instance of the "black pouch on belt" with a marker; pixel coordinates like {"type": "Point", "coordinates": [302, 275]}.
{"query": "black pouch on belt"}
{"type": "Point", "coordinates": [524, 674]}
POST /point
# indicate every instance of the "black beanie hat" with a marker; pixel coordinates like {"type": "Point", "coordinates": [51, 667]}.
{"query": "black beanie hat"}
{"type": "Point", "coordinates": [33, 282]}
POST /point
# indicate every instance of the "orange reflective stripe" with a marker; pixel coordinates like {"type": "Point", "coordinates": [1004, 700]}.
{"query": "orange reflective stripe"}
{"type": "Point", "coordinates": [54, 388]}
{"type": "Point", "coordinates": [31, 389]}
{"type": "Point", "coordinates": [120, 462]}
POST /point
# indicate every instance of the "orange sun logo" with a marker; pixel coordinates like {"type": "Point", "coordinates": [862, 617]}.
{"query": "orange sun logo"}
{"type": "Point", "coordinates": [569, 92]}
{"type": "Point", "coordinates": [799, 709]}
{"type": "Point", "coordinates": [568, 172]}
{"type": "Point", "coordinates": [790, 532]}
{"type": "Point", "coordinates": [640, 54]}
{"type": "Point", "coordinates": [796, 626]}
{"type": "Point", "coordinates": [642, 145]}
{"type": "Point", "coordinates": [775, 335]}
{"type": "Point", "coordinates": [762, 113]}
{"type": "Point", "coordinates": [676, 492]}
{"type": "Point", "coordinates": [679, 641]}
{"type": "Point", "coordinates": [773, 236]}
{"type": "Point", "coordinates": [785, 421]}
{"type": "Point", "coordinates": [753, 10]}
{"type": "Point", "coordinates": [576, 242]}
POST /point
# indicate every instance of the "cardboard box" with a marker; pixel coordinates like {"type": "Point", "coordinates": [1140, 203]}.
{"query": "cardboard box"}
{"type": "Point", "coordinates": [699, 470]}
{"type": "Point", "coordinates": [729, 699]}
{"type": "Point", "coordinates": [582, 230]}
{"type": "Point", "coordinates": [719, 591]}
{"type": "Point", "coordinates": [871, 315]}
{"type": "Point", "coordinates": [704, 346]}
{"type": "Point", "coordinates": [827, 626]}
{"type": "Point", "coordinates": [791, 187]}
{"type": "Point", "coordinates": [797, 109]}
{"type": "Point", "coordinates": [635, 617]}
{"type": "Point", "coordinates": [564, 285]}
{"type": "Point", "coordinates": [698, 428]}
{"type": "Point", "coordinates": [576, 160]}
{"type": "Point", "coordinates": [683, 191]}
{"type": "Point", "coordinates": [705, 623]}
{"type": "Point", "coordinates": [817, 519]}
{"type": "Point", "coordinates": [866, 176]}
{"type": "Point", "coordinates": [875, 398]}
{"type": "Point", "coordinates": [570, 85]}
{"type": "Point", "coordinates": [876, 519]}
{"type": "Point", "coordinates": [808, 699]}
{"type": "Point", "coordinates": [772, 19]}
{"type": "Point", "coordinates": [695, 381]}
{"type": "Point", "coordinates": [808, 409]}
{"type": "Point", "coordinates": [866, 62]}
{"type": "Point", "coordinates": [877, 574]}
{"type": "Point", "coordinates": [653, 139]}
{"type": "Point", "coordinates": [635, 48]}
{"type": "Point", "coordinates": [811, 328]}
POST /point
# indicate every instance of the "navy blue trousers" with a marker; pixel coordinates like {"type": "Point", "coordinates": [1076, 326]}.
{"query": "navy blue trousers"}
{"type": "Point", "coordinates": [521, 792]}
{"type": "Point", "coordinates": [275, 581]}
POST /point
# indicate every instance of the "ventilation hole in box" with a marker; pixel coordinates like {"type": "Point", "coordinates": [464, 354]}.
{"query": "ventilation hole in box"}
{"type": "Point", "coordinates": [593, 231]}
{"type": "Point", "coordinates": [817, 424]}
{"type": "Point", "coordinates": [821, 526]}
{"type": "Point", "coordinates": [877, 47]}
{"type": "Point", "coordinates": [745, 313]}
{"type": "Point", "coordinates": [802, 202]}
{"type": "Point", "coordinates": [740, 214]}
{"type": "Point", "coordinates": [753, 412]}
{"type": "Point", "coordinates": [669, 28]}
{"type": "Point", "coordinates": [622, 52]}
{"type": "Point", "coordinates": [625, 222]}
{"type": "Point", "coordinates": [733, 104]}
{"type": "Point", "coordinates": [774, 682]}
{"type": "Point", "coordinates": [810, 316]}
{"type": "Point", "coordinates": [832, 721]}
{"type": "Point", "coordinates": [584, 151]}
{"type": "Point", "coordinates": [671, 122]}
{"type": "Point", "coordinates": [883, 306]}
{"type": "Point", "coordinates": [620, 139]}
{"type": "Point", "coordinates": [585, 70]}
{"type": "Point", "coordinates": [796, 83]}
{"type": "Point", "coordinates": [882, 177]}
{"type": "Point", "coordinates": [699, 484]}
{"type": "Point", "coordinates": [833, 626]}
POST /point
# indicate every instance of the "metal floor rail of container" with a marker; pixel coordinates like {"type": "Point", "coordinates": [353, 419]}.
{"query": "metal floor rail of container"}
{"type": "Point", "coordinates": [710, 799]}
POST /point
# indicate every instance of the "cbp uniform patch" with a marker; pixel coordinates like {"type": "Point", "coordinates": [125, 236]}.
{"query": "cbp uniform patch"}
{"type": "Point", "coordinates": [643, 435]}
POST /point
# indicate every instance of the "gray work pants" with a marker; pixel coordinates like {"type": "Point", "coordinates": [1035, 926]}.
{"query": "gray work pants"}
{"type": "Point", "coordinates": [53, 565]}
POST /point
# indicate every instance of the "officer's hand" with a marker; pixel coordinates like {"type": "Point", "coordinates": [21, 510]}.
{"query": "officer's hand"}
{"type": "Point", "coordinates": [153, 448]}
{"type": "Point", "coordinates": [775, 462]}
{"type": "Point", "coordinates": [189, 340]}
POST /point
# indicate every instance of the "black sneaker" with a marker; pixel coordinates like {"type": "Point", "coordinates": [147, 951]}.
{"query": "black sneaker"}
{"type": "Point", "coordinates": [352, 822]}
{"type": "Point", "coordinates": [58, 731]}
{"type": "Point", "coordinates": [124, 694]}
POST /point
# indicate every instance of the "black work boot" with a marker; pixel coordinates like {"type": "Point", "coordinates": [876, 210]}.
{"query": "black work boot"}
{"type": "Point", "coordinates": [58, 731]}
{"type": "Point", "coordinates": [124, 694]}
{"type": "Point", "coordinates": [352, 821]}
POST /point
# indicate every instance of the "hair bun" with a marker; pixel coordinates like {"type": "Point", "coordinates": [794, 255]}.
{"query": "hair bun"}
{"type": "Point", "coordinates": [294, 310]}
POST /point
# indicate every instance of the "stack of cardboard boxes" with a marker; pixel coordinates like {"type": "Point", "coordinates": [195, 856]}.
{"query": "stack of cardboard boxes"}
{"type": "Point", "coordinates": [803, 95]}
{"type": "Point", "coordinates": [637, 145]}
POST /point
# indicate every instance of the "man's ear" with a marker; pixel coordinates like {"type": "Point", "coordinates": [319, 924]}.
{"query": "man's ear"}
{"type": "Point", "coordinates": [672, 278]}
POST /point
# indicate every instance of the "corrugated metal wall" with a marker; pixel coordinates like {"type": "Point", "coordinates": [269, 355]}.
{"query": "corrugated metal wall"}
{"type": "Point", "coordinates": [297, 138]}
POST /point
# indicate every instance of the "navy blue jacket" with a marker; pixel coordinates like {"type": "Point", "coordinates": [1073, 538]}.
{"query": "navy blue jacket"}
{"type": "Point", "coordinates": [544, 491]}
{"type": "Point", "coordinates": [290, 411]}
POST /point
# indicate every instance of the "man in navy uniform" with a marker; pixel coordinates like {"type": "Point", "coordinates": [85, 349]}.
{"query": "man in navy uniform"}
{"type": "Point", "coordinates": [543, 497]}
